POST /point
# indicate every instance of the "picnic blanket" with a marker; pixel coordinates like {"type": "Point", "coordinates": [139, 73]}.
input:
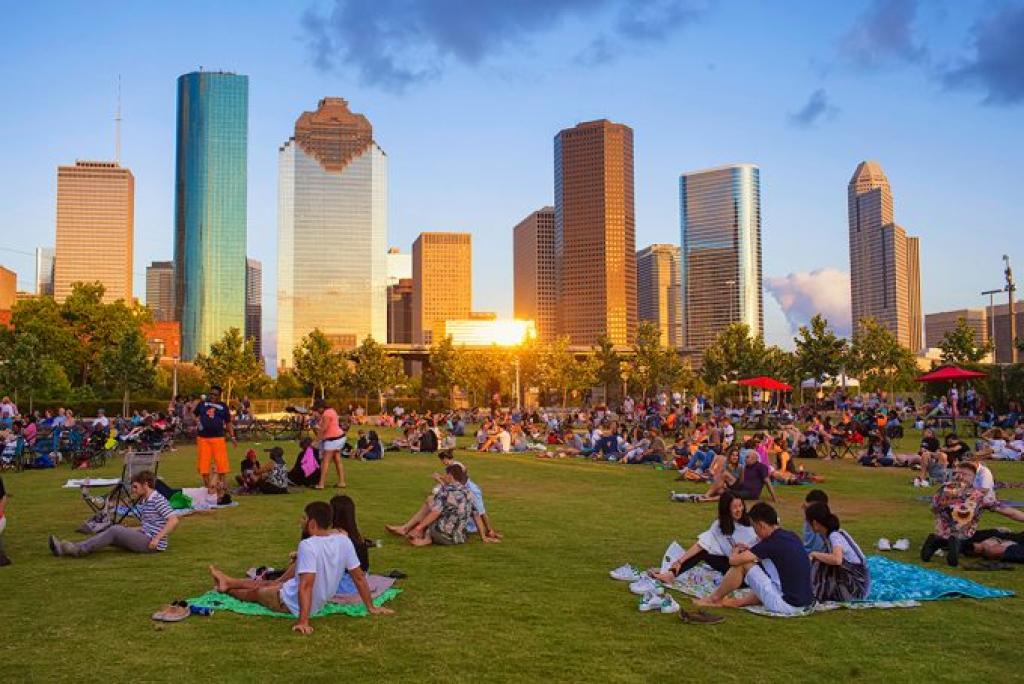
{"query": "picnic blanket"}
{"type": "Point", "coordinates": [893, 585]}
{"type": "Point", "coordinates": [92, 482]}
{"type": "Point", "coordinates": [219, 601]}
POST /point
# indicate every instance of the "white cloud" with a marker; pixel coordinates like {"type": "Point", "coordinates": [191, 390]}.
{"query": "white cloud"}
{"type": "Point", "coordinates": [802, 295]}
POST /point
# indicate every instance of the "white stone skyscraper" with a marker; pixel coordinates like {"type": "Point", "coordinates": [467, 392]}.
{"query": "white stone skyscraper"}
{"type": "Point", "coordinates": [332, 231]}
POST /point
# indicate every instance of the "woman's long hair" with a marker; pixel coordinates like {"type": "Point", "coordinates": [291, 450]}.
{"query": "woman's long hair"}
{"type": "Point", "coordinates": [818, 512]}
{"type": "Point", "coordinates": [343, 512]}
{"type": "Point", "coordinates": [725, 521]}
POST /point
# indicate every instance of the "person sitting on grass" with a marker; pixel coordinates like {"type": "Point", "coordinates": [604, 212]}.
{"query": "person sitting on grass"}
{"type": "Point", "coordinates": [929, 458]}
{"type": "Point", "coordinates": [306, 471]}
{"type": "Point", "coordinates": [447, 458]}
{"type": "Point", "coordinates": [272, 478]}
{"type": "Point", "coordinates": [444, 517]}
{"type": "Point", "coordinates": [840, 571]}
{"type": "Point", "coordinates": [812, 540]}
{"type": "Point", "coordinates": [247, 477]}
{"type": "Point", "coordinates": [371, 450]}
{"type": "Point", "coordinates": [714, 546]}
{"type": "Point", "coordinates": [749, 486]}
{"type": "Point", "coordinates": [155, 516]}
{"type": "Point", "coordinates": [323, 556]}
{"type": "Point", "coordinates": [994, 445]}
{"type": "Point", "coordinates": [343, 515]}
{"type": "Point", "coordinates": [878, 452]}
{"type": "Point", "coordinates": [776, 569]}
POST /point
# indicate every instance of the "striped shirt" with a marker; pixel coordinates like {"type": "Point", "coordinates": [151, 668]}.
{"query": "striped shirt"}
{"type": "Point", "coordinates": [154, 512]}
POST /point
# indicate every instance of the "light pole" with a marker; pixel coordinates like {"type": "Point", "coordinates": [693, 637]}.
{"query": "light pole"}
{"type": "Point", "coordinates": [992, 318]}
{"type": "Point", "coordinates": [174, 382]}
{"type": "Point", "coordinates": [1010, 287]}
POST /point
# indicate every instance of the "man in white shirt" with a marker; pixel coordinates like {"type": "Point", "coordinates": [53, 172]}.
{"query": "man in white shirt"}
{"type": "Point", "coordinates": [102, 422]}
{"type": "Point", "coordinates": [504, 440]}
{"type": "Point", "coordinates": [323, 557]}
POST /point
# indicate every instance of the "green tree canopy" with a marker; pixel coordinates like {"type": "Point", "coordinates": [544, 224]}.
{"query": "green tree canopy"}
{"type": "Point", "coordinates": [960, 345]}
{"type": "Point", "coordinates": [317, 365]}
{"type": "Point", "coordinates": [879, 361]}
{"type": "Point", "coordinates": [607, 369]}
{"type": "Point", "coordinates": [375, 372]}
{"type": "Point", "coordinates": [819, 352]}
{"type": "Point", "coordinates": [232, 364]}
{"type": "Point", "coordinates": [126, 366]}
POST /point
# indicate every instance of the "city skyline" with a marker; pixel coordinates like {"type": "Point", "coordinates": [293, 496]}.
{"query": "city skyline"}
{"type": "Point", "coordinates": [816, 117]}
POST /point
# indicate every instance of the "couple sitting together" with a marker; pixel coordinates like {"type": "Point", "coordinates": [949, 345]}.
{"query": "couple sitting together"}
{"type": "Point", "coordinates": [751, 549]}
{"type": "Point", "coordinates": [454, 508]}
{"type": "Point", "coordinates": [331, 558]}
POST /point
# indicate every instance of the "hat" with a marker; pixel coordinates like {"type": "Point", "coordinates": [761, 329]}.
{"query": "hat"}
{"type": "Point", "coordinates": [276, 454]}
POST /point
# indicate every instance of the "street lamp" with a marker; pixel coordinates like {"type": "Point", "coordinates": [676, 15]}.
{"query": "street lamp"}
{"type": "Point", "coordinates": [992, 318]}
{"type": "Point", "coordinates": [1010, 287]}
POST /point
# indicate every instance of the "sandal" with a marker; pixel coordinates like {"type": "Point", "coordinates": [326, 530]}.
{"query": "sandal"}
{"type": "Point", "coordinates": [174, 612]}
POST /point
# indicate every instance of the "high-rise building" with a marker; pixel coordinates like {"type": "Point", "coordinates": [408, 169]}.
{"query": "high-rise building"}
{"type": "Point", "coordinates": [160, 290]}
{"type": "Point", "coordinates": [999, 329]}
{"type": "Point", "coordinates": [95, 229]}
{"type": "Point", "coordinates": [332, 230]}
{"type": "Point", "coordinates": [44, 271]}
{"type": "Point", "coordinates": [399, 266]}
{"type": "Point", "coordinates": [442, 275]}
{"type": "Point", "coordinates": [210, 207]}
{"type": "Point", "coordinates": [595, 233]}
{"type": "Point", "coordinates": [400, 312]}
{"type": "Point", "coordinates": [534, 294]}
{"type": "Point", "coordinates": [8, 288]}
{"type": "Point", "coordinates": [659, 293]}
{"type": "Point", "coordinates": [720, 252]}
{"type": "Point", "coordinates": [936, 325]}
{"type": "Point", "coordinates": [254, 305]}
{"type": "Point", "coordinates": [885, 272]}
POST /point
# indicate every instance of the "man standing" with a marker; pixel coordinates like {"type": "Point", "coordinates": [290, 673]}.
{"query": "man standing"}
{"type": "Point", "coordinates": [777, 569]}
{"type": "Point", "coordinates": [323, 557]}
{"type": "Point", "coordinates": [214, 421]}
{"type": "Point", "coordinates": [156, 524]}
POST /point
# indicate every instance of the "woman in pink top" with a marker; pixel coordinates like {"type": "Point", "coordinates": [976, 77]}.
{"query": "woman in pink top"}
{"type": "Point", "coordinates": [332, 440]}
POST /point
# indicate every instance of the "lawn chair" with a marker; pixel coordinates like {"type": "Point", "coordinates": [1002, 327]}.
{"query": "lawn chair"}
{"type": "Point", "coordinates": [118, 502]}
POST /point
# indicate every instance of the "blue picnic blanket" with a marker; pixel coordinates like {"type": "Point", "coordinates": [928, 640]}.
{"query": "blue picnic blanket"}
{"type": "Point", "coordinates": [895, 581]}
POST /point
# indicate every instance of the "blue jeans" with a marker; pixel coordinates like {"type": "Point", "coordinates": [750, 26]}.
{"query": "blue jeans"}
{"type": "Point", "coordinates": [701, 459]}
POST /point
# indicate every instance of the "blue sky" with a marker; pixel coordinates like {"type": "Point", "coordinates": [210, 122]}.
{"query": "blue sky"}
{"type": "Point", "coordinates": [466, 97]}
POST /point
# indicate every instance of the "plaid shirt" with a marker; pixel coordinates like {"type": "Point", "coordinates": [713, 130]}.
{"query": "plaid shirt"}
{"type": "Point", "coordinates": [154, 512]}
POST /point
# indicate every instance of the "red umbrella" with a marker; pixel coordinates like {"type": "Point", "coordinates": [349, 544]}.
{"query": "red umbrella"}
{"type": "Point", "coordinates": [950, 374]}
{"type": "Point", "coordinates": [766, 383]}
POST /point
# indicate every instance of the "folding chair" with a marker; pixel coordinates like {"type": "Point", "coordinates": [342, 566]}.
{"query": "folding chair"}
{"type": "Point", "coordinates": [119, 500]}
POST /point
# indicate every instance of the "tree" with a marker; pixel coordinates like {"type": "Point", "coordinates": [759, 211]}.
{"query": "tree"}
{"type": "Point", "coordinates": [375, 371]}
{"type": "Point", "coordinates": [96, 325]}
{"type": "Point", "coordinates": [127, 367]}
{"type": "Point", "coordinates": [606, 365]}
{"type": "Point", "coordinates": [819, 352]}
{"type": "Point", "coordinates": [231, 363]}
{"type": "Point", "coordinates": [559, 369]}
{"type": "Point", "coordinates": [656, 366]}
{"type": "Point", "coordinates": [878, 359]}
{"type": "Point", "coordinates": [959, 345]}
{"type": "Point", "coordinates": [24, 367]}
{"type": "Point", "coordinates": [317, 364]}
{"type": "Point", "coordinates": [735, 354]}
{"type": "Point", "coordinates": [443, 368]}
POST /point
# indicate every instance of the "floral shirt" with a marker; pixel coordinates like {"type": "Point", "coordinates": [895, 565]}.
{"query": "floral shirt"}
{"type": "Point", "coordinates": [958, 509]}
{"type": "Point", "coordinates": [278, 476]}
{"type": "Point", "coordinates": [455, 503]}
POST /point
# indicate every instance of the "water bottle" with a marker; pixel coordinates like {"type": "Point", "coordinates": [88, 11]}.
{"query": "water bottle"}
{"type": "Point", "coordinates": [200, 610]}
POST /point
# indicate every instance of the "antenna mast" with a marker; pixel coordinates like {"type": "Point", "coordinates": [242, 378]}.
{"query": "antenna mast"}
{"type": "Point", "coordinates": [117, 124]}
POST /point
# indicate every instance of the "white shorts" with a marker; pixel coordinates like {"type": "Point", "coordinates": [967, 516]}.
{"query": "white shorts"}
{"type": "Point", "coordinates": [332, 444]}
{"type": "Point", "coordinates": [764, 581]}
{"type": "Point", "coordinates": [3, 524]}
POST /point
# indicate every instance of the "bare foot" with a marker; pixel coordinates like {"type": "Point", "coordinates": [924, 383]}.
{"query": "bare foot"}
{"type": "Point", "coordinates": [706, 602]}
{"type": "Point", "coordinates": [219, 578]}
{"type": "Point", "coordinates": [419, 541]}
{"type": "Point", "coordinates": [396, 530]}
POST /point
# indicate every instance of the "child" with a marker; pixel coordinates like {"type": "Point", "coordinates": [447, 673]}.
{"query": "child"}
{"type": "Point", "coordinates": [248, 477]}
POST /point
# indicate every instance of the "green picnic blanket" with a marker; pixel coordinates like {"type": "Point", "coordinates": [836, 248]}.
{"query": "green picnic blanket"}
{"type": "Point", "coordinates": [219, 601]}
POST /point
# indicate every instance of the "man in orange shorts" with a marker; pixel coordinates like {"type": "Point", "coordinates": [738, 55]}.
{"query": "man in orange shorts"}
{"type": "Point", "coordinates": [214, 421]}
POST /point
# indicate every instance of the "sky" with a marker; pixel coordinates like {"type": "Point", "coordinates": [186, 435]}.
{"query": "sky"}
{"type": "Point", "coordinates": [466, 97]}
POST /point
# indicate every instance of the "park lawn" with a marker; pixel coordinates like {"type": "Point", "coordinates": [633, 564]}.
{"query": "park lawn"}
{"type": "Point", "coordinates": [539, 606]}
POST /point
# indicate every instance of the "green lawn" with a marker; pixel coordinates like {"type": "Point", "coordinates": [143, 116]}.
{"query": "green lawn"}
{"type": "Point", "coordinates": [539, 606]}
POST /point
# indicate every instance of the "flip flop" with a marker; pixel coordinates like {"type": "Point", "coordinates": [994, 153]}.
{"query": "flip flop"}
{"type": "Point", "coordinates": [171, 613]}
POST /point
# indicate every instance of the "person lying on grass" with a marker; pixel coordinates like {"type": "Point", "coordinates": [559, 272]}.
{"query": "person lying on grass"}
{"type": "Point", "coordinates": [155, 517]}
{"type": "Point", "coordinates": [840, 571]}
{"type": "Point", "coordinates": [776, 569]}
{"type": "Point", "coordinates": [444, 517]}
{"type": "Point", "coordinates": [323, 557]}
{"type": "Point", "coordinates": [714, 546]}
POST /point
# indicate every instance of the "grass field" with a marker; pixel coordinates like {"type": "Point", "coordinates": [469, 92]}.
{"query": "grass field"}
{"type": "Point", "coordinates": [539, 606]}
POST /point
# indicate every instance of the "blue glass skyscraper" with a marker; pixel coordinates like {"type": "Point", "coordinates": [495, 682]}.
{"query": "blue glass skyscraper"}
{"type": "Point", "coordinates": [209, 207]}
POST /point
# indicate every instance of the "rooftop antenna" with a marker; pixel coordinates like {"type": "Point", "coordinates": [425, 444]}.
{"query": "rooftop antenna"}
{"type": "Point", "coordinates": [117, 124]}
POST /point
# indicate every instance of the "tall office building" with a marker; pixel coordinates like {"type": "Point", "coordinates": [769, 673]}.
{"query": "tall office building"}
{"type": "Point", "coordinates": [533, 275]}
{"type": "Point", "coordinates": [399, 266]}
{"type": "Point", "coordinates": [254, 305]}
{"type": "Point", "coordinates": [1000, 332]}
{"type": "Point", "coordinates": [885, 272]}
{"type": "Point", "coordinates": [8, 288]}
{"type": "Point", "coordinates": [936, 325]}
{"type": "Point", "coordinates": [659, 294]}
{"type": "Point", "coordinates": [595, 233]}
{"type": "Point", "coordinates": [720, 252]}
{"type": "Point", "coordinates": [442, 283]}
{"type": "Point", "coordinates": [44, 271]}
{"type": "Point", "coordinates": [332, 230]}
{"type": "Point", "coordinates": [160, 290]}
{"type": "Point", "coordinates": [209, 207]}
{"type": "Point", "coordinates": [400, 312]}
{"type": "Point", "coordinates": [95, 228]}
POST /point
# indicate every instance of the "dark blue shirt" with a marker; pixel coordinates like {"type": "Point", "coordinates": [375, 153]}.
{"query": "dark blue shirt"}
{"type": "Point", "coordinates": [213, 416]}
{"type": "Point", "coordinates": [785, 550]}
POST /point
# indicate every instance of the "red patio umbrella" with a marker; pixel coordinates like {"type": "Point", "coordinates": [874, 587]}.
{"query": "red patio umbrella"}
{"type": "Point", "coordinates": [766, 383]}
{"type": "Point", "coordinates": [950, 374]}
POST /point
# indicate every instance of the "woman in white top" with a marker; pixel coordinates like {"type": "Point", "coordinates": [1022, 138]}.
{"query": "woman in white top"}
{"type": "Point", "coordinates": [994, 445]}
{"type": "Point", "coordinates": [715, 544]}
{"type": "Point", "coordinates": [840, 572]}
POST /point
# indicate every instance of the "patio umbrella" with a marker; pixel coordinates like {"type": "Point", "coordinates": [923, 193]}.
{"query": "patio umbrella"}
{"type": "Point", "coordinates": [766, 383]}
{"type": "Point", "coordinates": [950, 374]}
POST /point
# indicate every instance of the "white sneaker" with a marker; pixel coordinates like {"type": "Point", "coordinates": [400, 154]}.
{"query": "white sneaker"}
{"type": "Point", "coordinates": [926, 483]}
{"type": "Point", "coordinates": [645, 585]}
{"type": "Point", "coordinates": [902, 545]}
{"type": "Point", "coordinates": [669, 605]}
{"type": "Point", "coordinates": [649, 602]}
{"type": "Point", "coordinates": [917, 482]}
{"type": "Point", "coordinates": [884, 544]}
{"type": "Point", "coordinates": [625, 573]}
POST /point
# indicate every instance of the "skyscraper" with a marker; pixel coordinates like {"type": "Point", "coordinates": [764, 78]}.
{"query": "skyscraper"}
{"type": "Point", "coordinates": [44, 271]}
{"type": "Point", "coordinates": [595, 232]}
{"type": "Point", "coordinates": [160, 290]}
{"type": "Point", "coordinates": [400, 312]}
{"type": "Point", "coordinates": [254, 305]}
{"type": "Point", "coordinates": [332, 230]}
{"type": "Point", "coordinates": [95, 228]}
{"type": "Point", "coordinates": [659, 294]}
{"type": "Point", "coordinates": [399, 266]}
{"type": "Point", "coordinates": [209, 207]}
{"type": "Point", "coordinates": [938, 324]}
{"type": "Point", "coordinates": [720, 252]}
{"type": "Point", "coordinates": [8, 288]}
{"type": "Point", "coordinates": [885, 273]}
{"type": "Point", "coordinates": [442, 275]}
{"type": "Point", "coordinates": [534, 284]}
